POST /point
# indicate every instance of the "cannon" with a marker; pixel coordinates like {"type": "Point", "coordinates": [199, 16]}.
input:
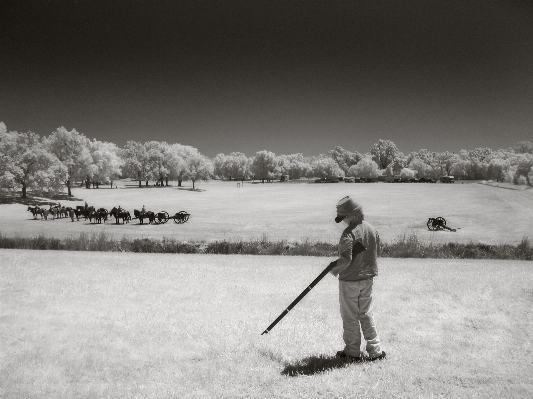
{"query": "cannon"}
{"type": "Point", "coordinates": [438, 223]}
{"type": "Point", "coordinates": [179, 218]}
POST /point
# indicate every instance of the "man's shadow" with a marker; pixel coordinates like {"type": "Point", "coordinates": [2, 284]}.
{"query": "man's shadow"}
{"type": "Point", "coordinates": [315, 365]}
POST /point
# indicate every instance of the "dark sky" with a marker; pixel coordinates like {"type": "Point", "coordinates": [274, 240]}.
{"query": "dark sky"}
{"type": "Point", "coordinates": [287, 76]}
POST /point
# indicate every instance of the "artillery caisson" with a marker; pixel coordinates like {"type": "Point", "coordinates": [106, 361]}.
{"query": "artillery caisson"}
{"type": "Point", "coordinates": [179, 218]}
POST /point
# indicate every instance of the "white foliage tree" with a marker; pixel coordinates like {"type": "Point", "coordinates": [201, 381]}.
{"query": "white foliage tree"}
{"type": "Point", "coordinates": [384, 152]}
{"type": "Point", "coordinates": [107, 163]}
{"type": "Point", "coordinates": [136, 162]}
{"type": "Point", "coordinates": [27, 164]}
{"type": "Point", "coordinates": [365, 168]}
{"type": "Point", "coordinates": [407, 173]}
{"type": "Point", "coordinates": [326, 167]}
{"type": "Point", "coordinates": [264, 165]}
{"type": "Point", "coordinates": [198, 167]}
{"type": "Point", "coordinates": [72, 150]}
{"type": "Point", "coordinates": [160, 161]}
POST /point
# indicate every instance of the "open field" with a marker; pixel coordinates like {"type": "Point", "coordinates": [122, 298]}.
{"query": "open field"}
{"type": "Point", "coordinates": [110, 325]}
{"type": "Point", "coordinates": [295, 211]}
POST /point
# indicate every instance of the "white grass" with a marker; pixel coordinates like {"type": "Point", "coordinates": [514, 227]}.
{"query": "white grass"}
{"type": "Point", "coordinates": [297, 211]}
{"type": "Point", "coordinates": [108, 325]}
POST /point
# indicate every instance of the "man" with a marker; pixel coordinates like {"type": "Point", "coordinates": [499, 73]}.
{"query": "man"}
{"type": "Point", "coordinates": [356, 269]}
{"type": "Point", "coordinates": [143, 210]}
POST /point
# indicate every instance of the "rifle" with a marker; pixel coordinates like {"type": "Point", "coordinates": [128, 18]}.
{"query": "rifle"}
{"type": "Point", "coordinates": [357, 248]}
{"type": "Point", "coordinates": [299, 298]}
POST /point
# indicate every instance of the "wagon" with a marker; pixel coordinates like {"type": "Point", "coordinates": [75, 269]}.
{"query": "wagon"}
{"type": "Point", "coordinates": [179, 218]}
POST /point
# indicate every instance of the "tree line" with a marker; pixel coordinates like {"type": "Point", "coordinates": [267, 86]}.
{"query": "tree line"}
{"type": "Point", "coordinates": [64, 158]}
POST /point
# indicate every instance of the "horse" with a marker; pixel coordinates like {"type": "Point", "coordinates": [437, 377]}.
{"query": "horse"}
{"type": "Point", "coordinates": [100, 214]}
{"type": "Point", "coordinates": [87, 212]}
{"type": "Point", "coordinates": [63, 212]}
{"type": "Point", "coordinates": [35, 210]}
{"type": "Point", "coordinates": [124, 215]}
{"type": "Point", "coordinates": [146, 215]}
{"type": "Point", "coordinates": [94, 215]}
{"type": "Point", "coordinates": [55, 211]}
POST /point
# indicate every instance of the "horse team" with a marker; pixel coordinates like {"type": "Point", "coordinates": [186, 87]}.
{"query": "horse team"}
{"type": "Point", "coordinates": [87, 212]}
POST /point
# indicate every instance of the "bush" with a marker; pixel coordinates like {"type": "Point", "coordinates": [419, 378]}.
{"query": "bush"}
{"type": "Point", "coordinates": [405, 246]}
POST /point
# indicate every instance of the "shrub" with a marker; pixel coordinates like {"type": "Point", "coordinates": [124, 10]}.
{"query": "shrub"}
{"type": "Point", "coordinates": [407, 245]}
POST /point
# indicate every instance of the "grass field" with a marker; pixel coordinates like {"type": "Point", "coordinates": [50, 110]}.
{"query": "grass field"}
{"type": "Point", "coordinates": [296, 211]}
{"type": "Point", "coordinates": [122, 325]}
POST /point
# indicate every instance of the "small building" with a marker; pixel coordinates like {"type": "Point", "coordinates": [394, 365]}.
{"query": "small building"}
{"type": "Point", "coordinates": [284, 178]}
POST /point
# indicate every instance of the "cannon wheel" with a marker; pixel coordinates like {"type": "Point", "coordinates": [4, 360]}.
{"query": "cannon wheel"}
{"type": "Point", "coordinates": [165, 219]}
{"type": "Point", "coordinates": [161, 217]}
{"type": "Point", "coordinates": [442, 221]}
{"type": "Point", "coordinates": [181, 217]}
{"type": "Point", "coordinates": [430, 224]}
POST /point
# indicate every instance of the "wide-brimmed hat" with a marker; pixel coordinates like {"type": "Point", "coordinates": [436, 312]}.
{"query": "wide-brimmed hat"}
{"type": "Point", "coordinates": [348, 207]}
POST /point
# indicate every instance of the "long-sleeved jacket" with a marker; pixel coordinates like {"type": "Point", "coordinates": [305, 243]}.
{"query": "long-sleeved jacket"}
{"type": "Point", "coordinates": [363, 265]}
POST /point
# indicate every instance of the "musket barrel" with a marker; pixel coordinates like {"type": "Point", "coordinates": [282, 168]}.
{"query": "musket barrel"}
{"type": "Point", "coordinates": [299, 298]}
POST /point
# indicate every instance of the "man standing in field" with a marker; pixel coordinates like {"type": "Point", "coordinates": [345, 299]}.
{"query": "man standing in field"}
{"type": "Point", "coordinates": [356, 269]}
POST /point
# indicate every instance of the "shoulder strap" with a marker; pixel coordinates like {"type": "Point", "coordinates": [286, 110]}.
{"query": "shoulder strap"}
{"type": "Point", "coordinates": [357, 247]}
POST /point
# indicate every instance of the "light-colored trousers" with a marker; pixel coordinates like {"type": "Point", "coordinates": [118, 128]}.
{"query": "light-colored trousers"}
{"type": "Point", "coordinates": [355, 299]}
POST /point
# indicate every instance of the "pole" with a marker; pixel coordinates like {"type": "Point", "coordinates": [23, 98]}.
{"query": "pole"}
{"type": "Point", "coordinates": [299, 298]}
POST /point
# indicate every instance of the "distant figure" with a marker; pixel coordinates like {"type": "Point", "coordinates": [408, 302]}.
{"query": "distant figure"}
{"type": "Point", "coordinates": [86, 206]}
{"type": "Point", "coordinates": [143, 211]}
{"type": "Point", "coordinates": [71, 213]}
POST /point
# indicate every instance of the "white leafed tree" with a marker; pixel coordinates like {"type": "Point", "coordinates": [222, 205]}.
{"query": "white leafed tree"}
{"type": "Point", "coordinates": [72, 150]}
{"type": "Point", "coordinates": [27, 164]}
{"type": "Point", "coordinates": [136, 162]}
{"type": "Point", "coordinates": [326, 167]}
{"type": "Point", "coordinates": [107, 163]}
{"type": "Point", "coordinates": [264, 165]}
{"type": "Point", "coordinates": [366, 168]}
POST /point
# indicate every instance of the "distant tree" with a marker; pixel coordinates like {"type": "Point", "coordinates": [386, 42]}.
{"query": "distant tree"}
{"type": "Point", "coordinates": [498, 169]}
{"type": "Point", "coordinates": [384, 152]}
{"type": "Point", "coordinates": [475, 163]}
{"type": "Point", "coordinates": [27, 164]}
{"type": "Point", "coordinates": [218, 165]}
{"type": "Point", "coordinates": [423, 169]}
{"type": "Point", "coordinates": [524, 168]}
{"type": "Point", "coordinates": [198, 167]}
{"type": "Point", "coordinates": [136, 161]}
{"type": "Point", "coordinates": [524, 147]}
{"type": "Point", "coordinates": [160, 160]}
{"type": "Point", "coordinates": [181, 154]}
{"type": "Point", "coordinates": [344, 158]}
{"type": "Point", "coordinates": [407, 173]}
{"type": "Point", "coordinates": [264, 165]}
{"type": "Point", "coordinates": [396, 166]}
{"type": "Point", "coordinates": [107, 163]}
{"type": "Point", "coordinates": [294, 165]}
{"type": "Point", "coordinates": [326, 167]}
{"type": "Point", "coordinates": [444, 163]}
{"type": "Point", "coordinates": [72, 150]}
{"type": "Point", "coordinates": [236, 166]}
{"type": "Point", "coordinates": [366, 168]}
